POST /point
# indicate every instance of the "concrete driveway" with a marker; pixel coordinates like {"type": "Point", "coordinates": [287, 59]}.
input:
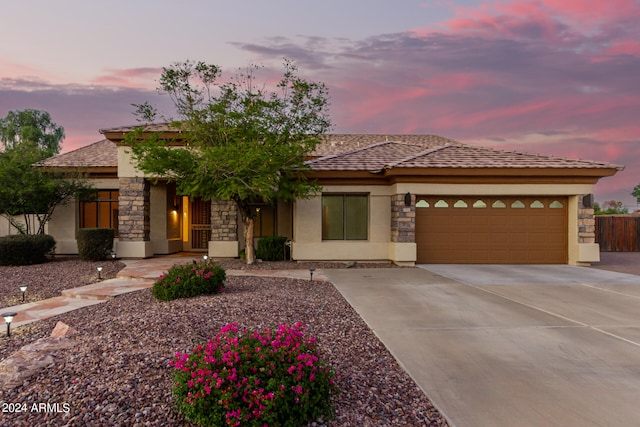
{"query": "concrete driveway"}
{"type": "Point", "coordinates": [510, 345]}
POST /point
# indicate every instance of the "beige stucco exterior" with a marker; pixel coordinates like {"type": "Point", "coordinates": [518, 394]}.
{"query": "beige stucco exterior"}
{"type": "Point", "coordinates": [64, 221]}
{"type": "Point", "coordinates": [164, 226]}
{"type": "Point", "coordinates": [308, 243]}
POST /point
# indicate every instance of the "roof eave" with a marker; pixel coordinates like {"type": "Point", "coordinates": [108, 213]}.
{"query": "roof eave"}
{"type": "Point", "coordinates": [587, 172]}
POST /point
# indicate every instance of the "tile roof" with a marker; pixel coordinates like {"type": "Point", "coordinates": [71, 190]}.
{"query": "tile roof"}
{"type": "Point", "coordinates": [441, 153]}
{"type": "Point", "coordinates": [101, 154]}
{"type": "Point", "coordinates": [340, 143]}
{"type": "Point", "coordinates": [363, 152]}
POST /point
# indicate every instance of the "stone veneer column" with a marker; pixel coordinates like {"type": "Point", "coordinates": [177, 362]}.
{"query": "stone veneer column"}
{"type": "Point", "coordinates": [224, 229]}
{"type": "Point", "coordinates": [586, 223]}
{"type": "Point", "coordinates": [403, 219]}
{"type": "Point", "coordinates": [134, 210]}
{"type": "Point", "coordinates": [224, 221]}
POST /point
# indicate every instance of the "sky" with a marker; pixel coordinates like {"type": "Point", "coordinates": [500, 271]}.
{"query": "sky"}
{"type": "Point", "coordinates": [554, 77]}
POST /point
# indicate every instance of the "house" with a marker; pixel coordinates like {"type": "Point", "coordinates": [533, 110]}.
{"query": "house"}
{"type": "Point", "coordinates": [402, 198]}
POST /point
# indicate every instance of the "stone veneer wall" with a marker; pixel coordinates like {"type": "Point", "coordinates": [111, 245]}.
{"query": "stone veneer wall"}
{"type": "Point", "coordinates": [586, 223]}
{"type": "Point", "coordinates": [403, 219]}
{"type": "Point", "coordinates": [224, 221]}
{"type": "Point", "coordinates": [134, 209]}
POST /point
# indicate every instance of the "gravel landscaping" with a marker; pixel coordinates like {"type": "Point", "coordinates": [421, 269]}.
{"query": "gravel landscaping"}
{"type": "Point", "coordinates": [117, 373]}
{"type": "Point", "coordinates": [49, 279]}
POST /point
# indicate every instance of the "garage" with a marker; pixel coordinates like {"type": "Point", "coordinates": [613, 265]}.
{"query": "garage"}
{"type": "Point", "coordinates": [491, 230]}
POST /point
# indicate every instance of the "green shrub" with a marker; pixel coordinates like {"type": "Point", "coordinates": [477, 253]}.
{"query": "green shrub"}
{"type": "Point", "coordinates": [94, 244]}
{"type": "Point", "coordinates": [26, 249]}
{"type": "Point", "coordinates": [190, 280]}
{"type": "Point", "coordinates": [269, 377]}
{"type": "Point", "coordinates": [272, 248]}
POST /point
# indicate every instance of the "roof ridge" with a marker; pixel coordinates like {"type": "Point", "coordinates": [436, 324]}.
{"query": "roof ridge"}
{"type": "Point", "coordinates": [421, 153]}
{"type": "Point", "coordinates": [355, 150]}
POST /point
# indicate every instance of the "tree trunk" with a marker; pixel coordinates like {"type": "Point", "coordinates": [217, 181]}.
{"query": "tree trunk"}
{"type": "Point", "coordinates": [248, 239]}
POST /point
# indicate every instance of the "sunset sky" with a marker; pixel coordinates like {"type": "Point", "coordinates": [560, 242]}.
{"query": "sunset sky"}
{"type": "Point", "coordinates": [557, 77]}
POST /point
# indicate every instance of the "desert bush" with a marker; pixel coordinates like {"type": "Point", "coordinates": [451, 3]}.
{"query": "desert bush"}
{"type": "Point", "coordinates": [94, 244]}
{"type": "Point", "coordinates": [272, 248]}
{"type": "Point", "coordinates": [269, 377]}
{"type": "Point", "coordinates": [26, 249]}
{"type": "Point", "coordinates": [189, 280]}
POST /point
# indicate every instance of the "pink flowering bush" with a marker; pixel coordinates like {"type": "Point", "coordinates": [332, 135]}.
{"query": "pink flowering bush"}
{"type": "Point", "coordinates": [261, 378]}
{"type": "Point", "coordinates": [189, 280]}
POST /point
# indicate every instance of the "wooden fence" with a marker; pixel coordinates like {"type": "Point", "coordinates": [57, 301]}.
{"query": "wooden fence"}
{"type": "Point", "coordinates": [618, 233]}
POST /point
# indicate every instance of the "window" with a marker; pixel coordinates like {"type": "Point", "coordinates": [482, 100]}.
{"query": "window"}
{"type": "Point", "coordinates": [556, 205]}
{"type": "Point", "coordinates": [101, 210]}
{"type": "Point", "coordinates": [422, 204]}
{"type": "Point", "coordinates": [479, 204]}
{"type": "Point", "coordinates": [345, 216]}
{"type": "Point", "coordinates": [517, 205]}
{"type": "Point", "coordinates": [460, 204]}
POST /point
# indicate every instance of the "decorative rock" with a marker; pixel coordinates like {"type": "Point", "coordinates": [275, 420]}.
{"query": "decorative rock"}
{"type": "Point", "coordinates": [62, 330]}
{"type": "Point", "coordinates": [29, 360]}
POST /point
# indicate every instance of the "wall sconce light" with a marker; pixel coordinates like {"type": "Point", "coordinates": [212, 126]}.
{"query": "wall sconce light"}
{"type": "Point", "coordinates": [8, 318]}
{"type": "Point", "coordinates": [99, 272]}
{"type": "Point", "coordinates": [407, 199]}
{"type": "Point", "coordinates": [23, 289]}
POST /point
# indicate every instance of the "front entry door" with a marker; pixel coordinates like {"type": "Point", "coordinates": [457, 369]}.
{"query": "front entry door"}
{"type": "Point", "coordinates": [200, 224]}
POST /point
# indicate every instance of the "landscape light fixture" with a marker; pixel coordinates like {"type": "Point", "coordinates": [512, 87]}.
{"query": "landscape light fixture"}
{"type": "Point", "coordinates": [205, 258]}
{"type": "Point", "coordinates": [99, 272]}
{"type": "Point", "coordinates": [23, 289]}
{"type": "Point", "coordinates": [113, 255]}
{"type": "Point", "coordinates": [8, 318]}
{"type": "Point", "coordinates": [311, 270]}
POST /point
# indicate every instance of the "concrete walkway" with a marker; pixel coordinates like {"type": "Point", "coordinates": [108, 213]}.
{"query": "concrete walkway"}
{"type": "Point", "coordinates": [138, 274]}
{"type": "Point", "coordinates": [548, 346]}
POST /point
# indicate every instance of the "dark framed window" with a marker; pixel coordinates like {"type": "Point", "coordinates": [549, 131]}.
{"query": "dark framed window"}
{"type": "Point", "coordinates": [100, 210]}
{"type": "Point", "coordinates": [345, 217]}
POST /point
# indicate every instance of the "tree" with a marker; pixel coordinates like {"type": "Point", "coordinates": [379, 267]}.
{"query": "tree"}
{"type": "Point", "coordinates": [636, 193]}
{"type": "Point", "coordinates": [610, 207]}
{"type": "Point", "coordinates": [29, 137]}
{"type": "Point", "coordinates": [31, 127]}
{"type": "Point", "coordinates": [242, 142]}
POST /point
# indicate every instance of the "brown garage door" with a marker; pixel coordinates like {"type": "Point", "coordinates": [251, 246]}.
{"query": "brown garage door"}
{"type": "Point", "coordinates": [491, 230]}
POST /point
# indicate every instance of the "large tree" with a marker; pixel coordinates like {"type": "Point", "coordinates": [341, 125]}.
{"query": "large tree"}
{"type": "Point", "coordinates": [30, 192]}
{"type": "Point", "coordinates": [31, 127]}
{"type": "Point", "coordinates": [242, 141]}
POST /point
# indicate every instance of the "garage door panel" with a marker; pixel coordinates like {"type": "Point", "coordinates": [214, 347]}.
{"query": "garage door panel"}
{"type": "Point", "coordinates": [506, 230]}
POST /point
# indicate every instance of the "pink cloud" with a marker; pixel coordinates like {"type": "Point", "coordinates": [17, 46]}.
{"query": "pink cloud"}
{"type": "Point", "coordinates": [593, 11]}
{"type": "Point", "coordinates": [130, 78]}
{"type": "Point", "coordinates": [624, 47]}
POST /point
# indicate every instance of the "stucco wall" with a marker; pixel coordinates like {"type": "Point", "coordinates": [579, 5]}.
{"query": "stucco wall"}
{"type": "Point", "coordinates": [65, 221]}
{"type": "Point", "coordinates": [308, 243]}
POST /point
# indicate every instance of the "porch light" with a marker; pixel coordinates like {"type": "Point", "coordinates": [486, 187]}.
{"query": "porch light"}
{"type": "Point", "coordinates": [8, 318]}
{"type": "Point", "coordinates": [23, 289]}
{"type": "Point", "coordinates": [407, 199]}
{"type": "Point", "coordinates": [311, 270]}
{"type": "Point", "coordinates": [99, 272]}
